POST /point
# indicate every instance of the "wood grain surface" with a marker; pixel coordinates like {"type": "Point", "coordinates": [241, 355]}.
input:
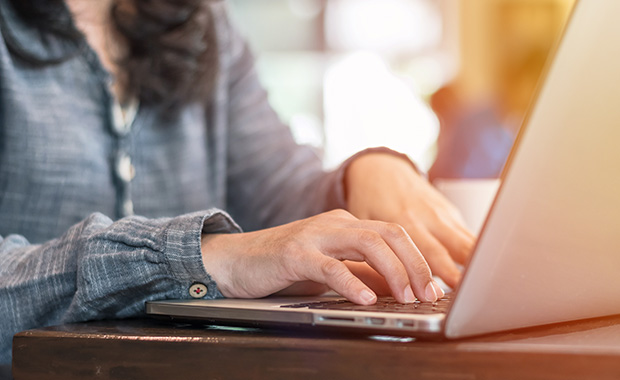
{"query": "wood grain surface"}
{"type": "Point", "coordinates": [150, 349]}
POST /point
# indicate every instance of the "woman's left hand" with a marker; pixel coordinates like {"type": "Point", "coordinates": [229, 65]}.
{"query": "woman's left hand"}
{"type": "Point", "coordinates": [384, 187]}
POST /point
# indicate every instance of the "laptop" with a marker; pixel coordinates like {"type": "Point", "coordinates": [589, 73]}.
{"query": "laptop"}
{"type": "Point", "coordinates": [549, 250]}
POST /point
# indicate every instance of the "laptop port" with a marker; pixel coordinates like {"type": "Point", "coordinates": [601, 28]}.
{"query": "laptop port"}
{"type": "Point", "coordinates": [406, 323]}
{"type": "Point", "coordinates": [375, 321]}
{"type": "Point", "coordinates": [324, 318]}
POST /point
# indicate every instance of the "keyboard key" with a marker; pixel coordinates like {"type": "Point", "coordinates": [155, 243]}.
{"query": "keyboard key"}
{"type": "Point", "coordinates": [384, 305]}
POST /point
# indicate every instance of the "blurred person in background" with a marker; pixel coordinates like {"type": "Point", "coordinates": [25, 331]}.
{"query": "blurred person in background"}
{"type": "Point", "coordinates": [473, 141]}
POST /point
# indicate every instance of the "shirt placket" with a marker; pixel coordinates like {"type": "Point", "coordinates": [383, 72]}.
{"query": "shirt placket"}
{"type": "Point", "coordinates": [122, 119]}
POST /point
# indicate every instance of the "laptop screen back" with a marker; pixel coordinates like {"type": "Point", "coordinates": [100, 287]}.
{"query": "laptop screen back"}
{"type": "Point", "coordinates": [550, 248]}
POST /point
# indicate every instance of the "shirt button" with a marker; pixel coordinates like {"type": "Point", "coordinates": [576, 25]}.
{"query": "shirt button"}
{"type": "Point", "coordinates": [198, 290]}
{"type": "Point", "coordinates": [125, 169]}
{"type": "Point", "coordinates": [128, 207]}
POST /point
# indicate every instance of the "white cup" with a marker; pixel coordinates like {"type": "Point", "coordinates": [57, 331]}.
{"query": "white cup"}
{"type": "Point", "coordinates": [472, 197]}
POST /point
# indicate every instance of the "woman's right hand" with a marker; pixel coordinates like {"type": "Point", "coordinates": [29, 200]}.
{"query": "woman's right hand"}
{"type": "Point", "coordinates": [307, 252]}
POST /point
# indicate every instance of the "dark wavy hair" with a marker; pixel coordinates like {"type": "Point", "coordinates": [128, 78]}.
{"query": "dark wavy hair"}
{"type": "Point", "coordinates": [172, 46]}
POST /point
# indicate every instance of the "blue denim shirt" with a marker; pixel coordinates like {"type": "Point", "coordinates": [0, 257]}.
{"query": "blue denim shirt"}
{"type": "Point", "coordinates": [69, 250]}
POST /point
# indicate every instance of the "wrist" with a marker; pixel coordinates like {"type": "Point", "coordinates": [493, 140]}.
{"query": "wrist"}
{"type": "Point", "coordinates": [372, 168]}
{"type": "Point", "coordinates": [211, 249]}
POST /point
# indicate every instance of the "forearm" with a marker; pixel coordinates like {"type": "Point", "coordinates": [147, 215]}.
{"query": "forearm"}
{"type": "Point", "coordinates": [100, 269]}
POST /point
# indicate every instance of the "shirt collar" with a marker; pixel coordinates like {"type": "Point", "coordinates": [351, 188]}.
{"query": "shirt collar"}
{"type": "Point", "coordinates": [32, 44]}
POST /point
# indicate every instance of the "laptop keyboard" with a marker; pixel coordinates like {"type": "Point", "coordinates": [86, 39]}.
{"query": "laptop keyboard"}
{"type": "Point", "coordinates": [383, 304]}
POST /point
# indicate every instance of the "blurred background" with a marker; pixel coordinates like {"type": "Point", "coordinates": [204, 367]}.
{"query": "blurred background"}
{"type": "Point", "coordinates": [446, 81]}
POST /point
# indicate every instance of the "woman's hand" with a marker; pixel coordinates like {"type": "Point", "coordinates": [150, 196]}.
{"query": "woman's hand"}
{"type": "Point", "coordinates": [299, 255]}
{"type": "Point", "coordinates": [384, 187]}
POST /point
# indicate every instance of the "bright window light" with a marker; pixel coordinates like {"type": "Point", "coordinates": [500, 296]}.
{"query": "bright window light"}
{"type": "Point", "coordinates": [388, 26]}
{"type": "Point", "coordinates": [367, 105]}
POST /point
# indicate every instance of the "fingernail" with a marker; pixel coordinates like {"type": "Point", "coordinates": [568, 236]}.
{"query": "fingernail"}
{"type": "Point", "coordinates": [431, 295]}
{"type": "Point", "coordinates": [438, 290]}
{"type": "Point", "coordinates": [409, 297]}
{"type": "Point", "coordinates": [367, 296]}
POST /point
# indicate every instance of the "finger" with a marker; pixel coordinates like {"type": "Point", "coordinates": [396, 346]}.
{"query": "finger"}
{"type": "Point", "coordinates": [455, 219]}
{"type": "Point", "coordinates": [369, 276]}
{"type": "Point", "coordinates": [303, 288]}
{"type": "Point", "coordinates": [451, 231]}
{"type": "Point", "coordinates": [414, 262]}
{"type": "Point", "coordinates": [366, 244]}
{"type": "Point", "coordinates": [408, 255]}
{"type": "Point", "coordinates": [437, 256]}
{"type": "Point", "coordinates": [459, 242]}
{"type": "Point", "coordinates": [336, 275]}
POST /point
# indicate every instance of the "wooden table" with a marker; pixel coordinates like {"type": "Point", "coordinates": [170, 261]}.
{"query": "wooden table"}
{"type": "Point", "coordinates": [148, 349]}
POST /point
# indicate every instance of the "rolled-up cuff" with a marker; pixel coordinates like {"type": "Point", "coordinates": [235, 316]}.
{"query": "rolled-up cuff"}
{"type": "Point", "coordinates": [183, 248]}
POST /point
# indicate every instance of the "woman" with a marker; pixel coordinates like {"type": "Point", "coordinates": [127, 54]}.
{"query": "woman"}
{"type": "Point", "coordinates": [121, 119]}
